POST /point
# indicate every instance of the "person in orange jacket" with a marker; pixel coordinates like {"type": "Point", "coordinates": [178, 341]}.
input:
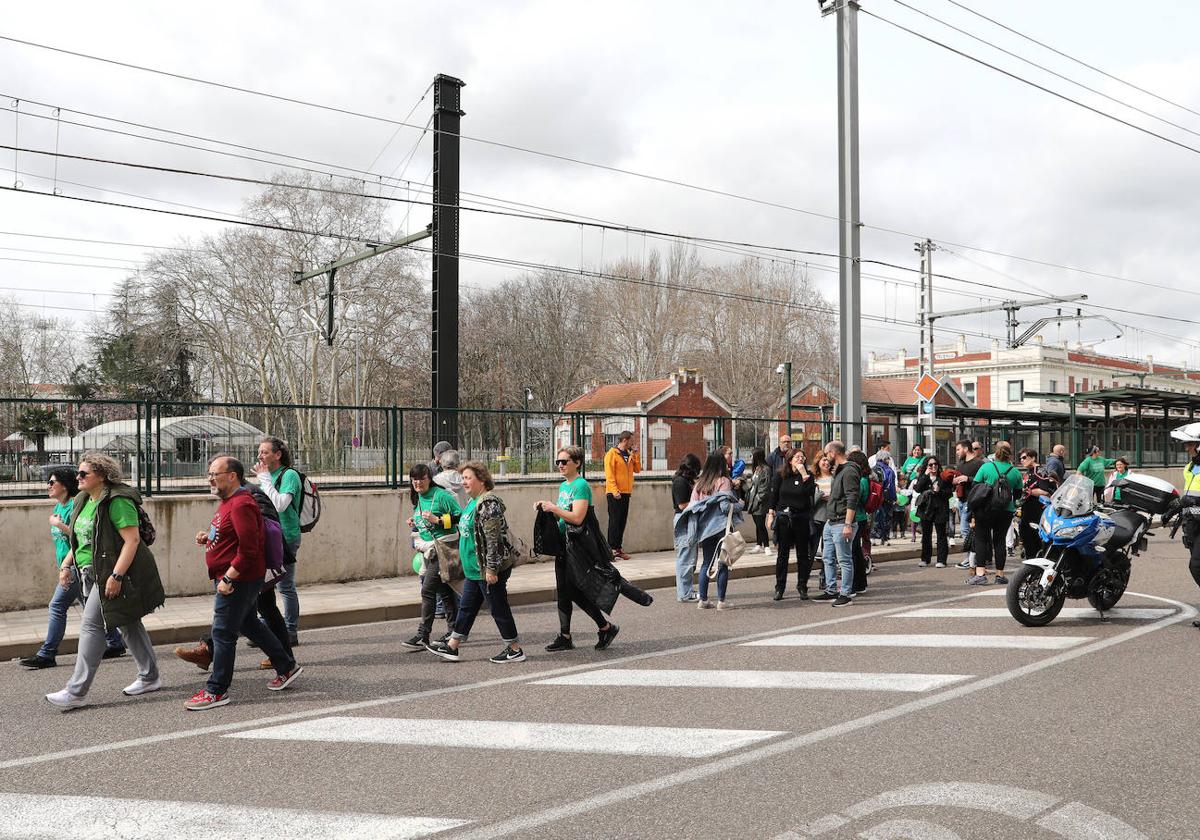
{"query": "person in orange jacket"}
{"type": "Point", "coordinates": [620, 464]}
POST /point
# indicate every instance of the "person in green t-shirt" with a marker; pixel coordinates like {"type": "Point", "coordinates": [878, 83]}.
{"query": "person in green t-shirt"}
{"type": "Point", "coordinates": [63, 486]}
{"type": "Point", "coordinates": [574, 499]}
{"type": "Point", "coordinates": [912, 464]}
{"type": "Point", "coordinates": [991, 525]}
{"type": "Point", "coordinates": [435, 517]}
{"type": "Point", "coordinates": [1093, 467]}
{"type": "Point", "coordinates": [281, 483]}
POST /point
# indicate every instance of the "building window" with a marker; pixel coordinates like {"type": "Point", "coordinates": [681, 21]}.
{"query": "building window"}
{"type": "Point", "coordinates": [968, 392]}
{"type": "Point", "coordinates": [1016, 390]}
{"type": "Point", "coordinates": [1053, 386]}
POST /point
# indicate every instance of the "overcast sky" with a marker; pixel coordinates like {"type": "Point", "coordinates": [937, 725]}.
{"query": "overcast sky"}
{"type": "Point", "coordinates": [736, 97]}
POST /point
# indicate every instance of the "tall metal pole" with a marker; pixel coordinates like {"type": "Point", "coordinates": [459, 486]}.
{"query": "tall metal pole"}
{"type": "Point", "coordinates": [787, 375]}
{"type": "Point", "coordinates": [447, 118]}
{"type": "Point", "coordinates": [926, 320]}
{"type": "Point", "coordinates": [526, 396]}
{"type": "Point", "coordinates": [850, 284]}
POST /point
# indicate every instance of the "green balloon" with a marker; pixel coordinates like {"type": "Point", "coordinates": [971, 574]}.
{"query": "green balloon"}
{"type": "Point", "coordinates": [418, 562]}
{"type": "Point", "coordinates": [912, 515]}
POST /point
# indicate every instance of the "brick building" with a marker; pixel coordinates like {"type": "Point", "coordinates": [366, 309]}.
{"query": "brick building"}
{"type": "Point", "coordinates": [668, 417]}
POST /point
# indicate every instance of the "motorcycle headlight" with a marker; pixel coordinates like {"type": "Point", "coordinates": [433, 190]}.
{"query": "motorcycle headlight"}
{"type": "Point", "coordinates": [1070, 531]}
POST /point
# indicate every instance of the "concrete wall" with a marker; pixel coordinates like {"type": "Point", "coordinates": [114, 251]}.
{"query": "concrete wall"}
{"type": "Point", "coordinates": [361, 535]}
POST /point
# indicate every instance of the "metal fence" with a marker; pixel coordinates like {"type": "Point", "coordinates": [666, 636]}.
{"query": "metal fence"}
{"type": "Point", "coordinates": [165, 447]}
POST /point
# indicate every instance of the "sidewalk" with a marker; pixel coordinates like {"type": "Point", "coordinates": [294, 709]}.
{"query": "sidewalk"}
{"type": "Point", "coordinates": [183, 620]}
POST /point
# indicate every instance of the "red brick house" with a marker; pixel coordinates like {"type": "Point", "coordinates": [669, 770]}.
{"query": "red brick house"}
{"type": "Point", "coordinates": [668, 417]}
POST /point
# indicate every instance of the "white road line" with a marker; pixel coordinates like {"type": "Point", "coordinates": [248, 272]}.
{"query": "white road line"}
{"type": "Point", "coordinates": [825, 680]}
{"type": "Point", "coordinates": [924, 640]}
{"type": "Point", "coordinates": [526, 823]}
{"type": "Point", "coordinates": [102, 818]}
{"type": "Point", "coordinates": [1068, 613]}
{"type": "Point", "coordinates": [308, 714]}
{"type": "Point", "coordinates": [594, 739]}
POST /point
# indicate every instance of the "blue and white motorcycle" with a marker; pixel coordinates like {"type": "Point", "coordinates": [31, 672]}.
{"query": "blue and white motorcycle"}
{"type": "Point", "coordinates": [1087, 549]}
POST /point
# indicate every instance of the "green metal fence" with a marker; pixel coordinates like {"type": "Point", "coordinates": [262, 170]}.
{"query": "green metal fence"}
{"type": "Point", "coordinates": [165, 447]}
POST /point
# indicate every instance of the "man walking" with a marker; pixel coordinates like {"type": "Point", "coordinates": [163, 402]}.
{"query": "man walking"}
{"type": "Point", "coordinates": [621, 463]}
{"type": "Point", "coordinates": [281, 483]}
{"type": "Point", "coordinates": [840, 529]}
{"type": "Point", "coordinates": [969, 462]}
{"type": "Point", "coordinates": [233, 552]}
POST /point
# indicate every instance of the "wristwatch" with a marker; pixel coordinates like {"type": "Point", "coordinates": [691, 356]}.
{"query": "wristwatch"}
{"type": "Point", "coordinates": [226, 579]}
{"type": "Point", "coordinates": [119, 578]}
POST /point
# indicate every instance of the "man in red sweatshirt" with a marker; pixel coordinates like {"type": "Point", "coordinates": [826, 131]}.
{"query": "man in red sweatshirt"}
{"type": "Point", "coordinates": [233, 551]}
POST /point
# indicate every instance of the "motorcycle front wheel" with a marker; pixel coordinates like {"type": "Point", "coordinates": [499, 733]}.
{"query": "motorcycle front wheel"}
{"type": "Point", "coordinates": [1028, 603]}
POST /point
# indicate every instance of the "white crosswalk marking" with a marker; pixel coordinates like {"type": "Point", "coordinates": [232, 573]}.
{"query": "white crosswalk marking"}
{"type": "Point", "coordinates": [517, 735]}
{"type": "Point", "coordinates": [102, 818]}
{"type": "Point", "coordinates": [924, 640]}
{"type": "Point", "coordinates": [827, 680]}
{"type": "Point", "coordinates": [1068, 613]}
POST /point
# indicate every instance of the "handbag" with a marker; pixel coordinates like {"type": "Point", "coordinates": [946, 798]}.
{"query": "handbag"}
{"type": "Point", "coordinates": [731, 547]}
{"type": "Point", "coordinates": [449, 562]}
{"type": "Point", "coordinates": [547, 539]}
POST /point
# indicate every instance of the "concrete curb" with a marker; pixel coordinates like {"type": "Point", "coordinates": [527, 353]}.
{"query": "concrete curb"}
{"type": "Point", "coordinates": [190, 632]}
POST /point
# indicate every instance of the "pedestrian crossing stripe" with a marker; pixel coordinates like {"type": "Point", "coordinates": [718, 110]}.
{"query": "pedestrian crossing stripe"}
{"type": "Point", "coordinates": [596, 739]}
{"type": "Point", "coordinates": [819, 680]}
{"type": "Point", "coordinates": [924, 640]}
{"type": "Point", "coordinates": [102, 818]}
{"type": "Point", "coordinates": [1067, 613]}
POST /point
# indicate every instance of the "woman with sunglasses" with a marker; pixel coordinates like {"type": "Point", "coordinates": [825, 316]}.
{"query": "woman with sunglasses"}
{"type": "Point", "coordinates": [62, 489]}
{"type": "Point", "coordinates": [574, 499]}
{"type": "Point", "coordinates": [117, 574]}
{"type": "Point", "coordinates": [793, 490]}
{"type": "Point", "coordinates": [934, 510]}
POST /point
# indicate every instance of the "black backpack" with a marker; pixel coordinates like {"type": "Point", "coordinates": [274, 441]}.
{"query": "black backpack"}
{"type": "Point", "coordinates": [1002, 494]}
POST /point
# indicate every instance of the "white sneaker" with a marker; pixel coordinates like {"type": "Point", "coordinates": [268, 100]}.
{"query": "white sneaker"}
{"type": "Point", "coordinates": [140, 686]}
{"type": "Point", "coordinates": [65, 700]}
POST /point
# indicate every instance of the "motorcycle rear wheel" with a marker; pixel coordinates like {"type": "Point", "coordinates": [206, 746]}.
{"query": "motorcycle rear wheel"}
{"type": "Point", "coordinates": [1103, 593]}
{"type": "Point", "coordinates": [1026, 601]}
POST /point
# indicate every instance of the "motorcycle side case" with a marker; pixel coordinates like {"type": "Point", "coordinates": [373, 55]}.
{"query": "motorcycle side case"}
{"type": "Point", "coordinates": [1142, 492]}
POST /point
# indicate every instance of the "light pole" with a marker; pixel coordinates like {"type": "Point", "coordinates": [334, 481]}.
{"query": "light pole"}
{"type": "Point", "coordinates": [526, 398]}
{"type": "Point", "coordinates": [786, 369]}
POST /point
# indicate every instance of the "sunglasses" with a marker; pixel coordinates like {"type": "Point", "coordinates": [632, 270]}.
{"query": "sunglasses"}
{"type": "Point", "coordinates": [82, 474]}
{"type": "Point", "coordinates": [561, 462]}
{"type": "Point", "coordinates": [214, 475]}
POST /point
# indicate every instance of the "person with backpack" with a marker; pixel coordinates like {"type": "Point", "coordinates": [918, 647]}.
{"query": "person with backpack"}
{"type": "Point", "coordinates": [870, 496]}
{"type": "Point", "coordinates": [284, 488]}
{"type": "Point", "coordinates": [992, 501]}
{"type": "Point", "coordinates": [234, 554]}
{"type": "Point", "coordinates": [111, 560]}
{"type": "Point", "coordinates": [488, 557]}
{"type": "Point", "coordinates": [883, 473]}
{"type": "Point", "coordinates": [435, 517]}
{"type": "Point", "coordinates": [758, 497]}
{"type": "Point", "coordinates": [793, 490]}
{"type": "Point", "coordinates": [934, 493]}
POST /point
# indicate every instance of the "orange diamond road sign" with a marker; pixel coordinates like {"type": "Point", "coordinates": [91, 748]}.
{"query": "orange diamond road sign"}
{"type": "Point", "coordinates": [927, 388]}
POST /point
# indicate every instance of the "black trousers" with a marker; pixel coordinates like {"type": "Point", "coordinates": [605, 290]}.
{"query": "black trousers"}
{"type": "Point", "coordinates": [618, 516]}
{"type": "Point", "coordinates": [567, 593]}
{"type": "Point", "coordinates": [433, 588]}
{"type": "Point", "coordinates": [1029, 538]}
{"type": "Point", "coordinates": [793, 531]}
{"type": "Point", "coordinates": [814, 547]}
{"type": "Point", "coordinates": [927, 531]}
{"type": "Point", "coordinates": [1194, 563]}
{"type": "Point", "coordinates": [761, 535]}
{"type": "Point", "coordinates": [991, 531]}
{"type": "Point", "coordinates": [860, 559]}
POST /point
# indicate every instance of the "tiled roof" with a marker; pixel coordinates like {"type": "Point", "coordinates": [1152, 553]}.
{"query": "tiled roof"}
{"type": "Point", "coordinates": [619, 395]}
{"type": "Point", "coordinates": [897, 392]}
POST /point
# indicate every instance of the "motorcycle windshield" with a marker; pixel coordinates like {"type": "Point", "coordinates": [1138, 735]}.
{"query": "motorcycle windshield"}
{"type": "Point", "coordinates": [1076, 497]}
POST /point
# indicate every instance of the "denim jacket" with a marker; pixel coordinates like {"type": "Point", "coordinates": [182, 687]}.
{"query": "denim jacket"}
{"type": "Point", "coordinates": [705, 518]}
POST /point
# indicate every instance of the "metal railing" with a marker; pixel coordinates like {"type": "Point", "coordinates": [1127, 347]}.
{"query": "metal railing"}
{"type": "Point", "coordinates": [165, 447]}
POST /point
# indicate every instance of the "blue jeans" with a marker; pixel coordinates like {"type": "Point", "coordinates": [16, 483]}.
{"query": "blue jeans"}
{"type": "Point", "coordinates": [473, 595]}
{"type": "Point", "coordinates": [708, 549]}
{"type": "Point", "coordinates": [237, 613]}
{"type": "Point", "coordinates": [287, 591]}
{"type": "Point", "coordinates": [964, 526]}
{"type": "Point", "coordinates": [62, 601]}
{"type": "Point", "coordinates": [839, 553]}
{"type": "Point", "coordinates": [685, 570]}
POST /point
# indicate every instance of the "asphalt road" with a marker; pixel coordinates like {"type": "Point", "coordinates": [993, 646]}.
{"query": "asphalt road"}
{"type": "Point", "coordinates": [772, 720]}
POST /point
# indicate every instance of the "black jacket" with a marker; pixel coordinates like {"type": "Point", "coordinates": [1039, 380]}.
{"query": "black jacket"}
{"type": "Point", "coordinates": [792, 492]}
{"type": "Point", "coordinates": [681, 491]}
{"type": "Point", "coordinates": [589, 562]}
{"type": "Point", "coordinates": [935, 504]}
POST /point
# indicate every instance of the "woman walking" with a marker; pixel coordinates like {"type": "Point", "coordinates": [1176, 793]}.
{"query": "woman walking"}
{"type": "Point", "coordinates": [681, 496]}
{"type": "Point", "coordinates": [792, 494]}
{"type": "Point", "coordinates": [487, 560]}
{"type": "Point", "coordinates": [823, 479]}
{"type": "Point", "coordinates": [934, 510]}
{"type": "Point", "coordinates": [435, 517]}
{"type": "Point", "coordinates": [63, 488]}
{"type": "Point", "coordinates": [714, 479]}
{"type": "Point", "coordinates": [574, 500]}
{"type": "Point", "coordinates": [992, 523]}
{"type": "Point", "coordinates": [117, 575]}
{"type": "Point", "coordinates": [758, 497]}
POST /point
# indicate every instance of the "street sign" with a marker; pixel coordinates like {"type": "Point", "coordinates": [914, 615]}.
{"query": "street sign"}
{"type": "Point", "coordinates": [927, 388]}
{"type": "Point", "coordinates": [926, 407]}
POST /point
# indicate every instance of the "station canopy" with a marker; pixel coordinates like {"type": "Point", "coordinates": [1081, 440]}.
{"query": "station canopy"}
{"type": "Point", "coordinates": [123, 435]}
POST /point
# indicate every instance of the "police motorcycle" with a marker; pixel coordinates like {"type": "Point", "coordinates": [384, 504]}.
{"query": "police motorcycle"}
{"type": "Point", "coordinates": [1087, 548]}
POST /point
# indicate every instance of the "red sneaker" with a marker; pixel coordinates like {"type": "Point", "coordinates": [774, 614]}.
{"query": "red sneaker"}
{"type": "Point", "coordinates": [206, 700]}
{"type": "Point", "coordinates": [282, 681]}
